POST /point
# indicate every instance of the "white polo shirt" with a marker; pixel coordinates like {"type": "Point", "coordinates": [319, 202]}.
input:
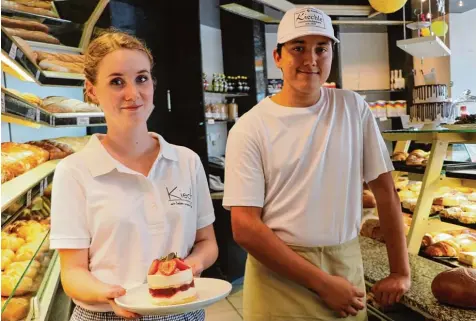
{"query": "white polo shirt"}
{"type": "Point", "coordinates": [305, 166]}
{"type": "Point", "coordinates": [124, 218]}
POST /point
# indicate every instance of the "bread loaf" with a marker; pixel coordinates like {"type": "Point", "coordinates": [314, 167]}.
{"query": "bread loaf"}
{"type": "Point", "coordinates": [55, 152]}
{"type": "Point", "coordinates": [39, 36]}
{"type": "Point", "coordinates": [61, 66]}
{"type": "Point", "coordinates": [24, 24]}
{"type": "Point", "coordinates": [35, 3]}
{"type": "Point", "coordinates": [55, 104]}
{"type": "Point", "coordinates": [42, 55]}
{"type": "Point", "coordinates": [19, 158]}
{"type": "Point", "coordinates": [21, 7]}
{"type": "Point", "coordinates": [456, 287]}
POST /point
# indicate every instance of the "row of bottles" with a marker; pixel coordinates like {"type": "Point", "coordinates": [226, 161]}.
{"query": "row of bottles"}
{"type": "Point", "coordinates": [220, 110]}
{"type": "Point", "coordinates": [226, 84]}
{"type": "Point", "coordinates": [396, 80]}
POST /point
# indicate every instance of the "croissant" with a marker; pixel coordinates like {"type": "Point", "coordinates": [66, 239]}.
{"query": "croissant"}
{"type": "Point", "coordinates": [444, 248]}
{"type": "Point", "coordinates": [432, 238]}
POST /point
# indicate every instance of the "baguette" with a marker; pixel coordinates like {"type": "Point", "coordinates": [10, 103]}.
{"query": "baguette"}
{"type": "Point", "coordinates": [24, 24]}
{"type": "Point", "coordinates": [42, 55]}
{"type": "Point", "coordinates": [61, 66]}
{"type": "Point", "coordinates": [35, 3]}
{"type": "Point", "coordinates": [456, 287]}
{"type": "Point", "coordinates": [55, 152]}
{"type": "Point", "coordinates": [39, 36]}
{"type": "Point", "coordinates": [20, 7]}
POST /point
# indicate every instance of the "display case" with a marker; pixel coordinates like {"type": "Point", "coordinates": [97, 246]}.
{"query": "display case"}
{"type": "Point", "coordinates": [446, 188]}
{"type": "Point", "coordinates": [32, 51]}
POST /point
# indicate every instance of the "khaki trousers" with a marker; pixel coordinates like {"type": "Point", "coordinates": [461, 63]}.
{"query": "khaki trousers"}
{"type": "Point", "coordinates": [270, 297]}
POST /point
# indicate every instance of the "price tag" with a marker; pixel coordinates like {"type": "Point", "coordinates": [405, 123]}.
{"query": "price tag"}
{"type": "Point", "coordinates": [211, 121]}
{"type": "Point", "coordinates": [38, 115]}
{"type": "Point", "coordinates": [405, 121]}
{"type": "Point", "coordinates": [20, 54]}
{"type": "Point", "coordinates": [31, 114]}
{"type": "Point", "coordinates": [42, 187]}
{"type": "Point", "coordinates": [3, 102]}
{"type": "Point", "coordinates": [13, 51]}
{"type": "Point", "coordinates": [383, 118]}
{"type": "Point", "coordinates": [82, 121]}
{"type": "Point", "coordinates": [38, 73]}
{"type": "Point", "coordinates": [28, 198]}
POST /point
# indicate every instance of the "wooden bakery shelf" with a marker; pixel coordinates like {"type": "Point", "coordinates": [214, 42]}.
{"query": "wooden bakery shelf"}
{"type": "Point", "coordinates": [433, 176]}
{"type": "Point", "coordinates": [14, 57]}
{"type": "Point", "coordinates": [29, 184]}
{"type": "Point", "coordinates": [38, 17]}
{"type": "Point", "coordinates": [21, 112]}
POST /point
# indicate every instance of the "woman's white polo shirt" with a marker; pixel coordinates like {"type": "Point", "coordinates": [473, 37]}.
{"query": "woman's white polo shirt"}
{"type": "Point", "coordinates": [124, 218]}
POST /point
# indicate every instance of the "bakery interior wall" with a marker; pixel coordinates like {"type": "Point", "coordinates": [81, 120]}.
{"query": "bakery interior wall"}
{"type": "Point", "coordinates": [212, 62]}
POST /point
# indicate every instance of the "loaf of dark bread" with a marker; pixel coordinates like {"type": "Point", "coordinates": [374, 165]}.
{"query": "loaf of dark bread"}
{"type": "Point", "coordinates": [456, 287]}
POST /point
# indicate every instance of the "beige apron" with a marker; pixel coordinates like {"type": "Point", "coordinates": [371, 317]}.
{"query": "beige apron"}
{"type": "Point", "coordinates": [270, 297]}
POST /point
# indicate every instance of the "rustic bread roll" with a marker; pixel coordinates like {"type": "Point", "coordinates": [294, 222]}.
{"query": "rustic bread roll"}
{"type": "Point", "coordinates": [399, 156]}
{"type": "Point", "coordinates": [368, 199]}
{"type": "Point", "coordinates": [7, 256]}
{"type": "Point", "coordinates": [452, 212]}
{"type": "Point", "coordinates": [16, 23]}
{"type": "Point", "coordinates": [38, 36]}
{"type": "Point", "coordinates": [414, 160]}
{"type": "Point", "coordinates": [21, 267]}
{"type": "Point", "coordinates": [11, 279]}
{"type": "Point", "coordinates": [12, 242]}
{"type": "Point", "coordinates": [456, 287]}
{"type": "Point", "coordinates": [419, 153]}
{"type": "Point", "coordinates": [61, 66]}
{"type": "Point", "coordinates": [17, 308]}
{"type": "Point", "coordinates": [55, 152]}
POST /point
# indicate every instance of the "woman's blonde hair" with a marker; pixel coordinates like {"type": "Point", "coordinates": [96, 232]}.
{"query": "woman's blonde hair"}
{"type": "Point", "coordinates": [106, 43]}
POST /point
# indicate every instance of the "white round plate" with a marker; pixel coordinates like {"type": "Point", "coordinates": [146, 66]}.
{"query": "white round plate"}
{"type": "Point", "coordinates": [209, 291]}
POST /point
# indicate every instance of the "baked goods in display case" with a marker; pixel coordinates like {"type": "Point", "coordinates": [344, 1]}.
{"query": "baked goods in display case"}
{"type": "Point", "coordinates": [171, 281]}
{"type": "Point", "coordinates": [60, 62]}
{"type": "Point", "coordinates": [25, 258]}
{"type": "Point", "coordinates": [39, 7]}
{"type": "Point", "coordinates": [58, 104]}
{"type": "Point", "coordinates": [17, 158]}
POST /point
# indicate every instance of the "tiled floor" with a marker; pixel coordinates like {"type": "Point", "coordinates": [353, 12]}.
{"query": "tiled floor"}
{"type": "Point", "coordinates": [230, 309]}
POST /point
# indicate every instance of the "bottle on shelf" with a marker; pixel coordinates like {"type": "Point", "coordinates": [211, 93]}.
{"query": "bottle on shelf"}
{"type": "Point", "coordinates": [392, 79]}
{"type": "Point", "coordinates": [233, 110]}
{"type": "Point", "coordinates": [205, 82]}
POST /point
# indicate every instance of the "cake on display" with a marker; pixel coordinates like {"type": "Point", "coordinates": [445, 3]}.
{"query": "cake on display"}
{"type": "Point", "coordinates": [171, 282]}
{"type": "Point", "coordinates": [430, 104]}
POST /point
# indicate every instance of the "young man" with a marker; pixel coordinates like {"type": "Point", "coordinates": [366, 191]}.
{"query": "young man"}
{"type": "Point", "coordinates": [295, 165]}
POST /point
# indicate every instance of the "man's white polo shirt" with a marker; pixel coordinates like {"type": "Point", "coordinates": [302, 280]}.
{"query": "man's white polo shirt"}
{"type": "Point", "coordinates": [124, 218]}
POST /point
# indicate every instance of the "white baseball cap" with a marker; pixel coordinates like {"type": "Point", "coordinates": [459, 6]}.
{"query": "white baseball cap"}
{"type": "Point", "coordinates": [305, 21]}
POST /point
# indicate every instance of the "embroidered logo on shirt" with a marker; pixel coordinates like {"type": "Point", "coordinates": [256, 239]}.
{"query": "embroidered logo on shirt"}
{"type": "Point", "coordinates": [178, 197]}
{"type": "Point", "coordinates": [309, 18]}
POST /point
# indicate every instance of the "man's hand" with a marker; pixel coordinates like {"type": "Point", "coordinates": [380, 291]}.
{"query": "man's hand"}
{"type": "Point", "coordinates": [342, 296]}
{"type": "Point", "coordinates": [390, 290]}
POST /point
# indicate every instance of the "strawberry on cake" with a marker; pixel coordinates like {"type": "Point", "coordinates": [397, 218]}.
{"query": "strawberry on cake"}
{"type": "Point", "coordinates": [171, 282]}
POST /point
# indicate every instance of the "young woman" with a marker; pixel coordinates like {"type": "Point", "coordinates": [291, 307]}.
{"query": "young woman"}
{"type": "Point", "coordinates": [128, 197]}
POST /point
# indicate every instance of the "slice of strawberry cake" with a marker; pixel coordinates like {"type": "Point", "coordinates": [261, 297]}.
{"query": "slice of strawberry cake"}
{"type": "Point", "coordinates": [171, 282]}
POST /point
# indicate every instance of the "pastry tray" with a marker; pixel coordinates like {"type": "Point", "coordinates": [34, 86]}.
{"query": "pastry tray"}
{"type": "Point", "coordinates": [467, 173]}
{"type": "Point", "coordinates": [447, 166]}
{"type": "Point", "coordinates": [448, 261]}
{"type": "Point", "coordinates": [19, 108]}
{"type": "Point", "coordinates": [456, 222]}
{"type": "Point", "coordinates": [10, 48]}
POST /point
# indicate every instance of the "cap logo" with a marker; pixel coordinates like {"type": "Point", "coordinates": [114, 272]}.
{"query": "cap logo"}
{"type": "Point", "coordinates": [309, 17]}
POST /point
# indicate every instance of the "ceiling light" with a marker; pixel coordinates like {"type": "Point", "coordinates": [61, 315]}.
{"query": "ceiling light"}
{"type": "Point", "coordinates": [248, 13]}
{"type": "Point", "coordinates": [460, 3]}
